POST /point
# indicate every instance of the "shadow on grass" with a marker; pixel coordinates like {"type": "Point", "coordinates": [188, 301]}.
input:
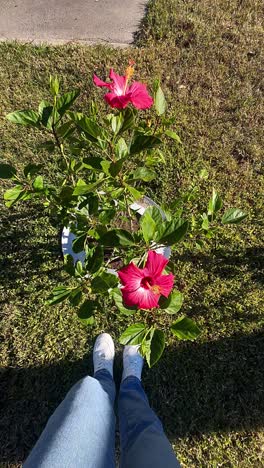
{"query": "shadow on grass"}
{"type": "Point", "coordinates": [28, 242]}
{"type": "Point", "coordinates": [200, 388]}
{"type": "Point", "coordinates": [228, 264]}
{"type": "Point", "coordinates": [196, 388]}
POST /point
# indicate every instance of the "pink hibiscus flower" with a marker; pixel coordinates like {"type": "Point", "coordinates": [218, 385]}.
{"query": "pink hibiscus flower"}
{"type": "Point", "coordinates": [121, 94]}
{"type": "Point", "coordinates": [142, 287]}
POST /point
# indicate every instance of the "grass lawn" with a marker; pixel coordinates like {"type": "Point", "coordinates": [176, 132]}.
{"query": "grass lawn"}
{"type": "Point", "coordinates": [210, 393]}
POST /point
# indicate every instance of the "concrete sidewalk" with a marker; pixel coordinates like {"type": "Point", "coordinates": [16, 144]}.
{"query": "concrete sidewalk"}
{"type": "Point", "coordinates": [60, 21]}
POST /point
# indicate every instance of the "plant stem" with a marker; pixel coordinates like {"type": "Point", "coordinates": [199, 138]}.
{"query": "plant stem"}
{"type": "Point", "coordinates": [111, 260]}
{"type": "Point", "coordinates": [129, 213]}
{"type": "Point", "coordinates": [60, 146]}
{"type": "Point", "coordinates": [156, 125]}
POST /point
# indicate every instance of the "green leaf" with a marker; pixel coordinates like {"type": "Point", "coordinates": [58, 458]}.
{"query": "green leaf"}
{"type": "Point", "coordinates": [115, 167]}
{"type": "Point", "coordinates": [209, 234]}
{"type": "Point", "coordinates": [154, 347]}
{"type": "Point", "coordinates": [160, 101]}
{"type": "Point", "coordinates": [65, 195]}
{"type": "Point", "coordinates": [205, 223]}
{"type": "Point", "coordinates": [143, 142]}
{"type": "Point", "coordinates": [155, 158]}
{"type": "Point", "coordinates": [155, 213]}
{"type": "Point", "coordinates": [143, 173]}
{"type": "Point", "coordinates": [118, 299]}
{"type": "Point", "coordinates": [215, 203]}
{"type": "Point", "coordinates": [233, 216]}
{"type": "Point", "coordinates": [78, 243]}
{"type": "Point", "coordinates": [173, 135]}
{"type": "Point", "coordinates": [7, 171]}
{"type": "Point", "coordinates": [106, 216]}
{"type": "Point", "coordinates": [65, 130]}
{"type": "Point", "coordinates": [92, 130]}
{"type": "Point", "coordinates": [171, 232]}
{"type": "Point", "coordinates": [156, 85]}
{"type": "Point", "coordinates": [38, 184]}
{"type": "Point", "coordinates": [69, 264]}
{"type": "Point", "coordinates": [94, 262]}
{"type": "Point", "coordinates": [75, 297]}
{"type": "Point", "coordinates": [46, 114]}
{"type": "Point", "coordinates": [79, 268]}
{"type": "Point", "coordinates": [98, 232]}
{"type": "Point", "coordinates": [93, 162]}
{"type": "Point", "coordinates": [87, 311]}
{"type": "Point", "coordinates": [59, 294]}
{"type": "Point", "coordinates": [24, 117]}
{"type": "Point", "coordinates": [129, 119]}
{"type": "Point", "coordinates": [101, 284]}
{"type": "Point", "coordinates": [121, 149]}
{"type": "Point", "coordinates": [65, 101]}
{"type": "Point", "coordinates": [54, 85]}
{"type": "Point", "coordinates": [105, 165]}
{"type": "Point", "coordinates": [116, 237]}
{"type": "Point", "coordinates": [133, 335]}
{"type": "Point", "coordinates": [117, 122]}
{"type": "Point", "coordinates": [148, 226]}
{"type": "Point", "coordinates": [83, 189]}
{"type": "Point", "coordinates": [92, 203]}
{"type": "Point", "coordinates": [173, 303]}
{"type": "Point", "coordinates": [185, 329]}
{"type": "Point", "coordinates": [75, 165]}
{"type": "Point", "coordinates": [134, 192]}
{"type": "Point", "coordinates": [15, 194]}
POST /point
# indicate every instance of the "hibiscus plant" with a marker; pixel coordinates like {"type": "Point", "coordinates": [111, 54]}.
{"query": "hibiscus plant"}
{"type": "Point", "coordinates": [102, 163]}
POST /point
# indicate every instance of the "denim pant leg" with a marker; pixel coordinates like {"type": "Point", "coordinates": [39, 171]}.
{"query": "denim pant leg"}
{"type": "Point", "coordinates": [81, 431]}
{"type": "Point", "coordinates": [143, 442]}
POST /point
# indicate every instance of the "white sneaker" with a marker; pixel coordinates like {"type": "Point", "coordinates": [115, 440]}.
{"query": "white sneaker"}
{"type": "Point", "coordinates": [132, 362]}
{"type": "Point", "coordinates": [104, 353]}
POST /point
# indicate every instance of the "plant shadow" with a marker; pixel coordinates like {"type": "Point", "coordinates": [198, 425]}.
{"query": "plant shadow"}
{"type": "Point", "coordinates": [195, 388]}
{"type": "Point", "coordinates": [28, 241]}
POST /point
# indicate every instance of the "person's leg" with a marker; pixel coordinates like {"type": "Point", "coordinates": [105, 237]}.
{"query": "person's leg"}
{"type": "Point", "coordinates": [81, 431]}
{"type": "Point", "coordinates": [142, 439]}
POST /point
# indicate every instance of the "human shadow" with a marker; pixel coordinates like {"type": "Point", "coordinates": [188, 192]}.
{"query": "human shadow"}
{"type": "Point", "coordinates": [195, 388]}
{"type": "Point", "coordinates": [211, 386]}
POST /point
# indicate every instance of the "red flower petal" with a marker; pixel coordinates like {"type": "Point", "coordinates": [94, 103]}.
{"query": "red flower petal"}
{"type": "Point", "coordinates": [119, 82]}
{"type": "Point", "coordinates": [118, 102]}
{"type": "Point", "coordinates": [101, 83]}
{"type": "Point", "coordinates": [166, 284]}
{"type": "Point", "coordinates": [131, 276]}
{"type": "Point", "coordinates": [155, 263]}
{"type": "Point", "coordinates": [142, 298]}
{"type": "Point", "coordinates": [142, 287]}
{"type": "Point", "coordinates": [122, 94]}
{"type": "Point", "coordinates": [139, 96]}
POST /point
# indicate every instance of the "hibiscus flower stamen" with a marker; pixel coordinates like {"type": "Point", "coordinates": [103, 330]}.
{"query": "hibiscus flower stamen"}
{"type": "Point", "coordinates": [156, 289]}
{"type": "Point", "coordinates": [129, 74]}
{"type": "Point", "coordinates": [148, 283]}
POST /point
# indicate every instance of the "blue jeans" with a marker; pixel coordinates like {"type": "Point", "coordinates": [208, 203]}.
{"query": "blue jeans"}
{"type": "Point", "coordinates": [81, 431]}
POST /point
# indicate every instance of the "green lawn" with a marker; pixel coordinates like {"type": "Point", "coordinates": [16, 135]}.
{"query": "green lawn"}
{"type": "Point", "coordinates": [209, 394]}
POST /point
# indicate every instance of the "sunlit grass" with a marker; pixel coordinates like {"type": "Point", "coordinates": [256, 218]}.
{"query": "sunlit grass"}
{"type": "Point", "coordinates": [209, 394]}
